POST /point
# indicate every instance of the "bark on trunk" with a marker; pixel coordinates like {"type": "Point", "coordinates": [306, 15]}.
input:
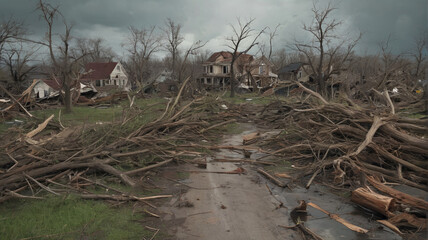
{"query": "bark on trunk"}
{"type": "Point", "coordinates": [373, 201]}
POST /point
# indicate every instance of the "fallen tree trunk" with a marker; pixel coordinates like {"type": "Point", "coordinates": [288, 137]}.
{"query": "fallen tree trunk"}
{"type": "Point", "coordinates": [400, 196]}
{"type": "Point", "coordinates": [373, 201]}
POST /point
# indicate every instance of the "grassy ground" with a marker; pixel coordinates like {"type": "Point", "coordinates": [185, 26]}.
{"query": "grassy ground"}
{"type": "Point", "coordinates": [68, 218]}
{"type": "Point", "coordinates": [94, 115]}
{"type": "Point", "coordinates": [254, 98]}
{"type": "Point", "coordinates": [73, 218]}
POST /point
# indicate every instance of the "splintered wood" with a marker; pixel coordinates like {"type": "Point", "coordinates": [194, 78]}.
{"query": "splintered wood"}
{"type": "Point", "coordinates": [374, 201]}
{"type": "Point", "coordinates": [250, 138]}
{"type": "Point", "coordinates": [70, 162]}
{"type": "Point", "coordinates": [352, 145]}
{"type": "Point", "coordinates": [339, 219]}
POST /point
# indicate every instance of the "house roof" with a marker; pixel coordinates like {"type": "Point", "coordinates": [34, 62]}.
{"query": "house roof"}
{"type": "Point", "coordinates": [262, 60]}
{"type": "Point", "coordinates": [291, 67]}
{"type": "Point", "coordinates": [54, 84]}
{"type": "Point", "coordinates": [98, 71]}
{"type": "Point", "coordinates": [227, 57]}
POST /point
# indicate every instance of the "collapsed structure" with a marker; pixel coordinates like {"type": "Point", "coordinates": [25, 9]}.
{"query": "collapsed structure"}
{"type": "Point", "coordinates": [97, 78]}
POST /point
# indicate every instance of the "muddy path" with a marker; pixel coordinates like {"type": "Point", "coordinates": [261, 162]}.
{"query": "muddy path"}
{"type": "Point", "coordinates": [227, 206]}
{"type": "Point", "coordinates": [233, 206]}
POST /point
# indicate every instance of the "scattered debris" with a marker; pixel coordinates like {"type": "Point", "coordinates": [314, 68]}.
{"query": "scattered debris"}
{"type": "Point", "coordinates": [272, 178]}
{"type": "Point", "coordinates": [339, 219]}
{"type": "Point", "coordinates": [251, 138]}
{"type": "Point", "coordinates": [185, 203]}
{"type": "Point", "coordinates": [283, 175]}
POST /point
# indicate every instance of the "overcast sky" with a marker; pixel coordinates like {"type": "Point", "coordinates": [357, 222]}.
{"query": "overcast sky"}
{"type": "Point", "coordinates": [210, 20]}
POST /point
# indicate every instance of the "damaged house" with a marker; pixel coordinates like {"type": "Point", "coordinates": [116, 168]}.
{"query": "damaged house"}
{"type": "Point", "coordinates": [98, 78]}
{"type": "Point", "coordinates": [250, 72]}
{"type": "Point", "coordinates": [293, 72]}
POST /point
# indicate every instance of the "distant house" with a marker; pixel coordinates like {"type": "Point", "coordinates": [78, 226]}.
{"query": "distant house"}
{"type": "Point", "coordinates": [247, 70]}
{"type": "Point", "coordinates": [164, 82]}
{"type": "Point", "coordinates": [46, 88]}
{"type": "Point", "coordinates": [260, 70]}
{"type": "Point", "coordinates": [50, 88]}
{"type": "Point", "coordinates": [106, 76]}
{"type": "Point", "coordinates": [293, 72]}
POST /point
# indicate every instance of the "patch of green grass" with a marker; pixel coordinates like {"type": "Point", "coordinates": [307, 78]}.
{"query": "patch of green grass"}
{"type": "Point", "coordinates": [3, 127]}
{"type": "Point", "coordinates": [83, 114]}
{"type": "Point", "coordinates": [232, 128]}
{"type": "Point", "coordinates": [68, 218]}
{"type": "Point", "coordinates": [417, 115]}
{"type": "Point", "coordinates": [183, 175]}
{"type": "Point", "coordinates": [253, 98]}
{"type": "Point", "coordinates": [90, 114]}
{"type": "Point", "coordinates": [145, 102]}
{"type": "Point", "coordinates": [282, 166]}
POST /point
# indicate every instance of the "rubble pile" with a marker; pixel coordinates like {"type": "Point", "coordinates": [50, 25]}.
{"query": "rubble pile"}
{"type": "Point", "coordinates": [352, 147]}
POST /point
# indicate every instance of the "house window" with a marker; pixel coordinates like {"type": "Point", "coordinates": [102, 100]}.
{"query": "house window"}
{"type": "Point", "coordinates": [98, 83]}
{"type": "Point", "coordinates": [211, 69]}
{"type": "Point", "coordinates": [118, 68]}
{"type": "Point", "coordinates": [261, 70]}
{"type": "Point", "coordinates": [225, 69]}
{"type": "Point", "coordinates": [208, 80]}
{"type": "Point", "coordinates": [300, 74]}
{"type": "Point", "coordinates": [114, 82]}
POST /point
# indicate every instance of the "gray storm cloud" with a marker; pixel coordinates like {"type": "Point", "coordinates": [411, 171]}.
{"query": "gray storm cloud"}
{"type": "Point", "coordinates": [210, 20]}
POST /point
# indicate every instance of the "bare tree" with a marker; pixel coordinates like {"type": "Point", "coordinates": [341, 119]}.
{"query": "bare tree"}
{"type": "Point", "coordinates": [192, 50]}
{"type": "Point", "coordinates": [141, 44]}
{"type": "Point", "coordinates": [267, 49]}
{"type": "Point", "coordinates": [272, 35]}
{"type": "Point", "coordinates": [390, 63]}
{"type": "Point", "coordinates": [17, 59]}
{"type": "Point", "coordinates": [419, 55]}
{"type": "Point", "coordinates": [172, 32]}
{"type": "Point", "coordinates": [94, 50]}
{"type": "Point", "coordinates": [10, 29]}
{"type": "Point", "coordinates": [65, 59]}
{"type": "Point", "coordinates": [327, 52]}
{"type": "Point", "coordinates": [242, 33]}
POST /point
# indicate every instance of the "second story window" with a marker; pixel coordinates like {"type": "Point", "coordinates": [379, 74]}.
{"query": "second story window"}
{"type": "Point", "coordinates": [211, 68]}
{"type": "Point", "coordinates": [225, 69]}
{"type": "Point", "coordinates": [261, 70]}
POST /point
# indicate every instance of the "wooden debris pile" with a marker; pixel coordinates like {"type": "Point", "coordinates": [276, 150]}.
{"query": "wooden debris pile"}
{"type": "Point", "coordinates": [59, 160]}
{"type": "Point", "coordinates": [348, 145]}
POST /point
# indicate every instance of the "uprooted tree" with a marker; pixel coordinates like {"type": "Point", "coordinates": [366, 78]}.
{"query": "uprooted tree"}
{"type": "Point", "coordinates": [241, 35]}
{"type": "Point", "coordinates": [326, 53]}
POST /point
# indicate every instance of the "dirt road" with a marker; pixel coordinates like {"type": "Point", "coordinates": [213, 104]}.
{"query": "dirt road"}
{"type": "Point", "coordinates": [233, 206]}
{"type": "Point", "coordinates": [228, 206]}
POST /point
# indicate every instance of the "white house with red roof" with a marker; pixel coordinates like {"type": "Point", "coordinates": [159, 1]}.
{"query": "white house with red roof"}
{"type": "Point", "coordinates": [106, 76]}
{"type": "Point", "coordinates": [98, 77]}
